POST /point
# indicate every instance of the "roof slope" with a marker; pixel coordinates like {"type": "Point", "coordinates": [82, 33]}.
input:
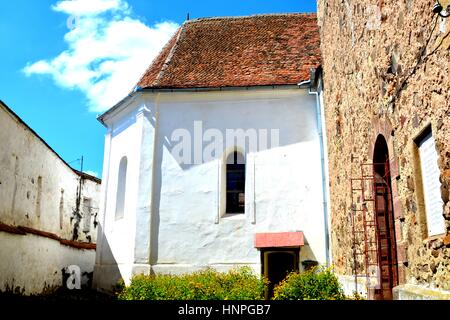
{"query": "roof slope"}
{"type": "Point", "coordinates": [278, 49]}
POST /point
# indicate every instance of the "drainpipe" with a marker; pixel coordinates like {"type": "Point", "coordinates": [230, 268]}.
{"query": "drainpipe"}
{"type": "Point", "coordinates": [323, 166]}
{"type": "Point", "coordinates": [152, 257]}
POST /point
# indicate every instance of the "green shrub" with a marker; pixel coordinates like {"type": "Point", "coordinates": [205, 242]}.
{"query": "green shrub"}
{"type": "Point", "coordinates": [315, 284]}
{"type": "Point", "coordinates": [237, 284]}
{"type": "Point", "coordinates": [355, 296]}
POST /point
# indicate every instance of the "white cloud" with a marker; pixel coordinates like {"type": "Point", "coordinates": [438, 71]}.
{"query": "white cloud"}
{"type": "Point", "coordinates": [107, 52]}
{"type": "Point", "coordinates": [39, 67]}
{"type": "Point", "coordinates": [90, 7]}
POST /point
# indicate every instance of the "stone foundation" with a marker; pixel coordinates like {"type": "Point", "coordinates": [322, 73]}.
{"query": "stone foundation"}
{"type": "Point", "coordinates": [414, 292]}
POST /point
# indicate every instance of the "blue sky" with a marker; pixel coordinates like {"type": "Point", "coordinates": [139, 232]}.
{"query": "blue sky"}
{"type": "Point", "coordinates": [65, 62]}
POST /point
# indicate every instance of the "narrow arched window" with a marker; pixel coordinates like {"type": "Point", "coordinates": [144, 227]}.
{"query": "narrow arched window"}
{"type": "Point", "coordinates": [121, 188]}
{"type": "Point", "coordinates": [235, 183]}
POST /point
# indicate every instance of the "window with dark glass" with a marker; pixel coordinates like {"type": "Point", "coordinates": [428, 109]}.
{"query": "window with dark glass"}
{"type": "Point", "coordinates": [235, 183]}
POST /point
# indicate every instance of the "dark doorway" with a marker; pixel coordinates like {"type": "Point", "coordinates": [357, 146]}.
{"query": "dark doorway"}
{"type": "Point", "coordinates": [386, 242]}
{"type": "Point", "coordinates": [276, 264]}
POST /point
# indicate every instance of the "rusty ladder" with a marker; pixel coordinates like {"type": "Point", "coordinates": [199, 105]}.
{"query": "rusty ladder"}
{"type": "Point", "coordinates": [369, 238]}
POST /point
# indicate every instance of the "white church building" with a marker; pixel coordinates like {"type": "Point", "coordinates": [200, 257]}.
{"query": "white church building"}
{"type": "Point", "coordinates": [217, 158]}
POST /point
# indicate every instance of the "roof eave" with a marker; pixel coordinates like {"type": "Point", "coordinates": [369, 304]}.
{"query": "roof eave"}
{"type": "Point", "coordinates": [103, 116]}
{"type": "Point", "coordinates": [223, 88]}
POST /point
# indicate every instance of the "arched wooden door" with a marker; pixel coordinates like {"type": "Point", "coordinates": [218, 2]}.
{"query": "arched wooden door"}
{"type": "Point", "coordinates": [386, 242]}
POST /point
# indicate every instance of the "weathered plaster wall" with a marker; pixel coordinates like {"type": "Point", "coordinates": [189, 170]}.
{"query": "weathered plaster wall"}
{"type": "Point", "coordinates": [387, 74]}
{"type": "Point", "coordinates": [32, 264]}
{"type": "Point", "coordinates": [188, 226]}
{"type": "Point", "coordinates": [39, 191]}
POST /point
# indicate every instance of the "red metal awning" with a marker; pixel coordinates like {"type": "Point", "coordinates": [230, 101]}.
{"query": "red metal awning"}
{"type": "Point", "coordinates": [279, 239]}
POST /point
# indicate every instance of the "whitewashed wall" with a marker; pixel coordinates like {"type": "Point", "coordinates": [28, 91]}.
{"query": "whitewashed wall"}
{"type": "Point", "coordinates": [32, 264]}
{"type": "Point", "coordinates": [188, 229]}
{"type": "Point", "coordinates": [37, 190]}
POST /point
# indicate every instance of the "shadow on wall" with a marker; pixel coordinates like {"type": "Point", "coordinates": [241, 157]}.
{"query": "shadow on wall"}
{"type": "Point", "coordinates": [206, 125]}
{"type": "Point", "coordinates": [308, 259]}
{"type": "Point", "coordinates": [106, 271]}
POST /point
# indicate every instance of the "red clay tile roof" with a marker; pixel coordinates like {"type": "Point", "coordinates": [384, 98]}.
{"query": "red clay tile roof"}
{"type": "Point", "coordinates": [276, 49]}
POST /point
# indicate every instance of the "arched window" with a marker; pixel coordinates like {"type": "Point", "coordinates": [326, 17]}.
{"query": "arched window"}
{"type": "Point", "coordinates": [121, 188]}
{"type": "Point", "coordinates": [235, 183]}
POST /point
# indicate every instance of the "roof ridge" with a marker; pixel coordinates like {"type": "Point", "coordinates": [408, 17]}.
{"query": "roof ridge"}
{"type": "Point", "coordinates": [169, 56]}
{"type": "Point", "coordinates": [260, 15]}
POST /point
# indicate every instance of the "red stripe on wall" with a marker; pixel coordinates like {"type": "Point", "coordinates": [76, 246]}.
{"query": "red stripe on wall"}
{"type": "Point", "coordinates": [21, 230]}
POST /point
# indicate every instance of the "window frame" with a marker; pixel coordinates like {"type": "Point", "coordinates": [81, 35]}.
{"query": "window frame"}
{"type": "Point", "coordinates": [237, 168]}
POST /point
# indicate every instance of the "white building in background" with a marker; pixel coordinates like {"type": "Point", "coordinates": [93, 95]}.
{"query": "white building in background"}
{"type": "Point", "coordinates": [171, 202]}
{"type": "Point", "coordinates": [48, 213]}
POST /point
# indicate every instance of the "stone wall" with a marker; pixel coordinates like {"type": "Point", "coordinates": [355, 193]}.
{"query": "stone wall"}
{"type": "Point", "coordinates": [386, 71]}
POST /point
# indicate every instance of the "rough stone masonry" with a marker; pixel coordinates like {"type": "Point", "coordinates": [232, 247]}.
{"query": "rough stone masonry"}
{"type": "Point", "coordinates": [386, 71]}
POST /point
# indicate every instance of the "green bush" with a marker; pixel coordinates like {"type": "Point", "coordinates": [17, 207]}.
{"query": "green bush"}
{"type": "Point", "coordinates": [237, 284]}
{"type": "Point", "coordinates": [355, 296]}
{"type": "Point", "coordinates": [315, 284]}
